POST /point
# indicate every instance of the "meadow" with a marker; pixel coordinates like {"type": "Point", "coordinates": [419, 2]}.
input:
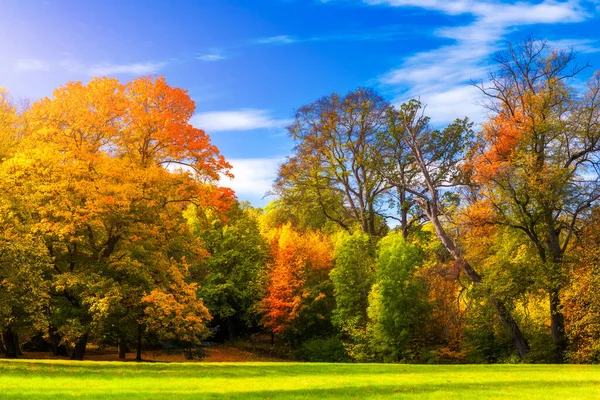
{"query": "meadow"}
{"type": "Point", "coordinates": [49, 379]}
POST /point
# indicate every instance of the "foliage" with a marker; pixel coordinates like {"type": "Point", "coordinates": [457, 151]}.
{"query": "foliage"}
{"type": "Point", "coordinates": [398, 308]}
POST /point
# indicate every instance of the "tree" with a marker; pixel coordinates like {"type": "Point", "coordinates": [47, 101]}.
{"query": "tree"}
{"type": "Point", "coordinates": [437, 155]}
{"type": "Point", "coordinates": [537, 160]}
{"type": "Point", "coordinates": [93, 170]}
{"type": "Point", "coordinates": [299, 262]}
{"type": "Point", "coordinates": [232, 277]}
{"type": "Point", "coordinates": [333, 165]}
{"type": "Point", "coordinates": [581, 297]}
{"type": "Point", "coordinates": [353, 276]}
{"type": "Point", "coordinates": [398, 306]}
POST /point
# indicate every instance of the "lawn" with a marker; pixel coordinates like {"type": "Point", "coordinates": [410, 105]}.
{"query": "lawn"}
{"type": "Point", "coordinates": [45, 379]}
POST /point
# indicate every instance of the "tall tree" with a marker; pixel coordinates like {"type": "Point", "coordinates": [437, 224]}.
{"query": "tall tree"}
{"type": "Point", "coordinates": [437, 156]}
{"type": "Point", "coordinates": [537, 161]}
{"type": "Point", "coordinates": [333, 165]}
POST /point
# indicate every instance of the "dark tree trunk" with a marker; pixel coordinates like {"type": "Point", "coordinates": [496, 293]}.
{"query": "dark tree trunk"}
{"type": "Point", "coordinates": [2, 348]}
{"type": "Point", "coordinates": [79, 349]}
{"type": "Point", "coordinates": [272, 338]}
{"type": "Point", "coordinates": [138, 353]}
{"type": "Point", "coordinates": [557, 323]}
{"type": "Point", "coordinates": [18, 345]}
{"type": "Point", "coordinates": [231, 328]}
{"type": "Point", "coordinates": [123, 348]}
{"type": "Point", "coordinates": [10, 343]}
{"type": "Point", "coordinates": [58, 349]}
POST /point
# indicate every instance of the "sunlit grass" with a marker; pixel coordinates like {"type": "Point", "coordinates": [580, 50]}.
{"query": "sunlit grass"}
{"type": "Point", "coordinates": [46, 379]}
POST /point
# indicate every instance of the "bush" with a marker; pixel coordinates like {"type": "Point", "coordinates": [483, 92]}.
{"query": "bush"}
{"type": "Point", "coordinates": [322, 350]}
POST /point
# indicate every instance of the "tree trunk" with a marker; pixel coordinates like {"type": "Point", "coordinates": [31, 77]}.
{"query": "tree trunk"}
{"type": "Point", "coordinates": [138, 353]}
{"type": "Point", "coordinates": [18, 345]}
{"type": "Point", "coordinates": [231, 328]}
{"type": "Point", "coordinates": [557, 324]}
{"type": "Point", "coordinates": [2, 348]}
{"type": "Point", "coordinates": [508, 321]}
{"type": "Point", "coordinates": [272, 338]}
{"type": "Point", "coordinates": [9, 343]}
{"type": "Point", "coordinates": [57, 348]}
{"type": "Point", "coordinates": [122, 348]}
{"type": "Point", "coordinates": [79, 349]}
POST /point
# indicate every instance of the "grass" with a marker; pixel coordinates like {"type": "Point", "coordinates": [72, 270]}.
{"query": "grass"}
{"type": "Point", "coordinates": [46, 379]}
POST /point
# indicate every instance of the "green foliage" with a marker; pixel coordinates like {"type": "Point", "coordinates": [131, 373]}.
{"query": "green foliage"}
{"type": "Point", "coordinates": [231, 278]}
{"type": "Point", "coordinates": [398, 307]}
{"type": "Point", "coordinates": [353, 276]}
{"type": "Point", "coordinates": [322, 350]}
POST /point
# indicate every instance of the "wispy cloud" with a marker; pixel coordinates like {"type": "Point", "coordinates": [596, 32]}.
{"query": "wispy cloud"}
{"type": "Point", "coordinates": [211, 57]}
{"type": "Point", "coordinates": [253, 177]}
{"type": "Point", "coordinates": [101, 69]}
{"type": "Point", "coordinates": [280, 39]}
{"type": "Point", "coordinates": [387, 32]}
{"type": "Point", "coordinates": [441, 77]}
{"type": "Point", "coordinates": [237, 120]}
{"type": "Point", "coordinates": [31, 64]}
{"type": "Point", "coordinates": [584, 46]}
{"type": "Point", "coordinates": [136, 69]}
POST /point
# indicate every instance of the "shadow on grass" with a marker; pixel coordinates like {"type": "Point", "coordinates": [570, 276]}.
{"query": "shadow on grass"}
{"type": "Point", "coordinates": [549, 389]}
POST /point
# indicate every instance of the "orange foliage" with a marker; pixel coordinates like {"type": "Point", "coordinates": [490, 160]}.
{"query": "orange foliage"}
{"type": "Point", "coordinates": [296, 259]}
{"type": "Point", "coordinates": [501, 137]}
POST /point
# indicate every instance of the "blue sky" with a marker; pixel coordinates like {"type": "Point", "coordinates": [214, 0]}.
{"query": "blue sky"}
{"type": "Point", "coordinates": [249, 63]}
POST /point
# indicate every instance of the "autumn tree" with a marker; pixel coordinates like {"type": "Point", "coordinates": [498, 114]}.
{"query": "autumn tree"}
{"type": "Point", "coordinates": [332, 166]}
{"type": "Point", "coordinates": [537, 160]}
{"type": "Point", "coordinates": [96, 170]}
{"type": "Point", "coordinates": [437, 156]}
{"type": "Point", "coordinates": [299, 262]}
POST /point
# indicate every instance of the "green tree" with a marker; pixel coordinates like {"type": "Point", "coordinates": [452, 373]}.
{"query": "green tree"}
{"type": "Point", "coordinates": [231, 278]}
{"type": "Point", "coordinates": [352, 277]}
{"type": "Point", "coordinates": [398, 308]}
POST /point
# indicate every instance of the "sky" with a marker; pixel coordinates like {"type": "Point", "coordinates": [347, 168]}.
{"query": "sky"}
{"type": "Point", "coordinates": [248, 64]}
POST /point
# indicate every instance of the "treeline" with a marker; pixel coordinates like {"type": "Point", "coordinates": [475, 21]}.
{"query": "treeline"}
{"type": "Point", "coordinates": [390, 239]}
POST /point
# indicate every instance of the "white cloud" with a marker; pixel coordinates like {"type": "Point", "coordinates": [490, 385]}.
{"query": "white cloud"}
{"type": "Point", "coordinates": [136, 69]}
{"type": "Point", "coordinates": [211, 57]}
{"type": "Point", "coordinates": [280, 39]}
{"type": "Point", "coordinates": [31, 64]}
{"type": "Point", "coordinates": [253, 177]}
{"type": "Point", "coordinates": [441, 77]}
{"type": "Point", "coordinates": [585, 46]}
{"type": "Point", "coordinates": [237, 120]}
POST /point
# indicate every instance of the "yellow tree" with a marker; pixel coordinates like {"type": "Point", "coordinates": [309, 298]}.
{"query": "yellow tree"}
{"type": "Point", "coordinates": [93, 170]}
{"type": "Point", "coordinates": [536, 167]}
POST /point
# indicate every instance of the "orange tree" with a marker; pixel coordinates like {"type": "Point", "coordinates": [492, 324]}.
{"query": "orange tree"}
{"type": "Point", "coordinates": [105, 170]}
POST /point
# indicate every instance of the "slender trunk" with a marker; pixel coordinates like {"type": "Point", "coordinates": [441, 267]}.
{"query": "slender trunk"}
{"type": "Point", "coordinates": [79, 349]}
{"type": "Point", "coordinates": [122, 348]}
{"type": "Point", "coordinates": [272, 338]}
{"type": "Point", "coordinates": [2, 348]}
{"type": "Point", "coordinates": [557, 324]}
{"type": "Point", "coordinates": [138, 353]}
{"type": "Point", "coordinates": [231, 328]}
{"type": "Point", "coordinates": [9, 343]}
{"type": "Point", "coordinates": [508, 321]}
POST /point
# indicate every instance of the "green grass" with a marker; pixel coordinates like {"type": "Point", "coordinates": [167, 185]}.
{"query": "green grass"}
{"type": "Point", "coordinates": [45, 379]}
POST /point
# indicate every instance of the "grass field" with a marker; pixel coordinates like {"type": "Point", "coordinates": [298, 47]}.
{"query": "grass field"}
{"type": "Point", "coordinates": [45, 379]}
